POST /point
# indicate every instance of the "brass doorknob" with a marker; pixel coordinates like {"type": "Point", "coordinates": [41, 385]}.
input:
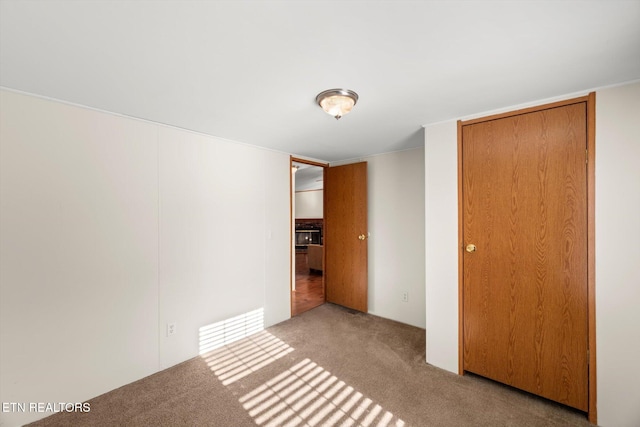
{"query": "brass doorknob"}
{"type": "Point", "coordinates": [471, 248]}
{"type": "Point", "coordinates": [362, 237]}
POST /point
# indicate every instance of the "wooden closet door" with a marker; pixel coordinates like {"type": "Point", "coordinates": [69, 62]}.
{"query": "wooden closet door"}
{"type": "Point", "coordinates": [524, 196]}
{"type": "Point", "coordinates": [346, 235]}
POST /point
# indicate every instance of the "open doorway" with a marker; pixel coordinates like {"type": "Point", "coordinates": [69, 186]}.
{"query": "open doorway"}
{"type": "Point", "coordinates": [307, 213]}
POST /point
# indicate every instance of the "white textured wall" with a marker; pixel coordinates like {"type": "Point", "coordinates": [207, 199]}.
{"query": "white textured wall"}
{"type": "Point", "coordinates": [276, 171]}
{"type": "Point", "coordinates": [441, 240]}
{"type": "Point", "coordinates": [396, 242]}
{"type": "Point", "coordinates": [111, 227]}
{"type": "Point", "coordinates": [309, 204]}
{"type": "Point", "coordinates": [78, 252]}
{"type": "Point", "coordinates": [213, 230]}
{"type": "Point", "coordinates": [617, 255]}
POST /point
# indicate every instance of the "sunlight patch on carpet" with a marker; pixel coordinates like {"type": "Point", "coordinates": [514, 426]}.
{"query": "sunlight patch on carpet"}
{"type": "Point", "coordinates": [308, 395]}
{"type": "Point", "coordinates": [241, 358]}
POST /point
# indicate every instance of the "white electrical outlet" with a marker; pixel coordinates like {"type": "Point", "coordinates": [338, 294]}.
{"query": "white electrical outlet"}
{"type": "Point", "coordinates": [171, 329]}
{"type": "Point", "coordinates": [405, 297]}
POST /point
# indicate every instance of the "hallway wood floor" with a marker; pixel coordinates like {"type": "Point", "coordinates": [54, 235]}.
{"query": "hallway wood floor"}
{"type": "Point", "coordinates": [309, 291]}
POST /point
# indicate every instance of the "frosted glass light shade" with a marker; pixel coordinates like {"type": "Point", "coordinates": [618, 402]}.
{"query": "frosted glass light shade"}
{"type": "Point", "coordinates": [337, 102]}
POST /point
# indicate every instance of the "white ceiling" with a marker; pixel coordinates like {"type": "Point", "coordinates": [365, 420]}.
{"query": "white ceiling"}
{"type": "Point", "coordinates": [249, 71]}
{"type": "Point", "coordinates": [308, 177]}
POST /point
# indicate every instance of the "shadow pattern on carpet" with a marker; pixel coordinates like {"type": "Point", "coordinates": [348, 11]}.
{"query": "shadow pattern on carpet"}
{"type": "Point", "coordinates": [327, 367]}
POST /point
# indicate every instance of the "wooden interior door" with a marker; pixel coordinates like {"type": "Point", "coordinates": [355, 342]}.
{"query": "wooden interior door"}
{"type": "Point", "coordinates": [524, 201]}
{"type": "Point", "coordinates": [346, 236]}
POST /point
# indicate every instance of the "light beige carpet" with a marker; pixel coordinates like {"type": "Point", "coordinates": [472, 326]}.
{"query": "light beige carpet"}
{"type": "Point", "coordinates": [328, 367]}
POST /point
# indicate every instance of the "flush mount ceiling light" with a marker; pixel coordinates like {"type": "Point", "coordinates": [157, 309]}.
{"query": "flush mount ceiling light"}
{"type": "Point", "coordinates": [337, 102]}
